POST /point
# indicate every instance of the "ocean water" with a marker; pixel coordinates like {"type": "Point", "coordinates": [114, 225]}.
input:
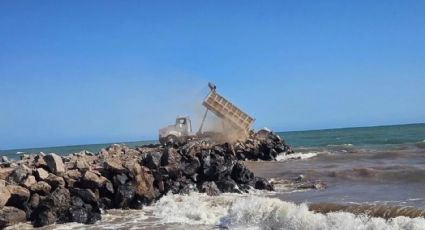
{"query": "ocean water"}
{"type": "Point", "coordinates": [367, 167]}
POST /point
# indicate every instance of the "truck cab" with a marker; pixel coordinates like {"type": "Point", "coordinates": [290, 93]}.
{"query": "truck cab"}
{"type": "Point", "coordinates": [177, 133]}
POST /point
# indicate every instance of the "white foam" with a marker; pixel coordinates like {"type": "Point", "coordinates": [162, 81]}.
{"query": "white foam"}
{"type": "Point", "coordinates": [347, 145]}
{"type": "Point", "coordinates": [255, 212]}
{"type": "Point", "coordinates": [299, 155]}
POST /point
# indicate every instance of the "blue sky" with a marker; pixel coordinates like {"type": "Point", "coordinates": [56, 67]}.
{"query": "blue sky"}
{"type": "Point", "coordinates": [76, 72]}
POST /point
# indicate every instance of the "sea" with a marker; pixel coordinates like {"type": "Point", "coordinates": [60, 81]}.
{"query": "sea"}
{"type": "Point", "coordinates": [364, 167]}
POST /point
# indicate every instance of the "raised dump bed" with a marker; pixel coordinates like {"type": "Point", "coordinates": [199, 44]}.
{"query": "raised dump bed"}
{"type": "Point", "coordinates": [228, 112]}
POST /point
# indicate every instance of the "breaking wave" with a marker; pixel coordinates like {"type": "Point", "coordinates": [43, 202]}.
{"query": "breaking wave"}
{"type": "Point", "coordinates": [256, 212]}
{"type": "Point", "coordinates": [297, 155]}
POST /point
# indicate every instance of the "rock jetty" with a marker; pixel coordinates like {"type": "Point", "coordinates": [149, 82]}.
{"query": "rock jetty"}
{"type": "Point", "coordinates": [47, 188]}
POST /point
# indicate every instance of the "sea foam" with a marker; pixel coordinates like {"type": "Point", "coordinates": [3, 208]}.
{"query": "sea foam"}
{"type": "Point", "coordinates": [298, 155]}
{"type": "Point", "coordinates": [257, 212]}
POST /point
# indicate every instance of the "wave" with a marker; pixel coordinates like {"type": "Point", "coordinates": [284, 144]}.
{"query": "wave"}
{"type": "Point", "coordinates": [240, 211]}
{"type": "Point", "coordinates": [391, 173]}
{"type": "Point", "coordinates": [346, 145]}
{"type": "Point", "coordinates": [297, 155]}
{"type": "Point", "coordinates": [255, 212]}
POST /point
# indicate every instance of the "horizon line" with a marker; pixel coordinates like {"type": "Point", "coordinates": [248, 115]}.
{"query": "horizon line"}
{"type": "Point", "coordinates": [304, 130]}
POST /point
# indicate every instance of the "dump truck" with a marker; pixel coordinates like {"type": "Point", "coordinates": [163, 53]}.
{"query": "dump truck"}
{"type": "Point", "coordinates": [235, 120]}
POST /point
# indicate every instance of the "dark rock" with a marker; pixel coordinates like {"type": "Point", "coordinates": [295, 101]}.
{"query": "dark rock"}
{"type": "Point", "coordinates": [79, 215]}
{"type": "Point", "coordinates": [124, 196]}
{"type": "Point", "coordinates": [43, 216]}
{"type": "Point", "coordinates": [210, 188]}
{"type": "Point", "coordinates": [227, 185]}
{"type": "Point", "coordinates": [76, 201]}
{"type": "Point", "coordinates": [170, 157]}
{"type": "Point", "coordinates": [262, 184]}
{"type": "Point", "coordinates": [107, 189]}
{"type": "Point", "coordinates": [34, 201]}
{"type": "Point", "coordinates": [190, 166]}
{"type": "Point", "coordinates": [10, 216]}
{"type": "Point", "coordinates": [119, 179]}
{"type": "Point", "coordinates": [105, 203]}
{"type": "Point", "coordinates": [85, 194]}
{"type": "Point", "coordinates": [60, 198]}
{"type": "Point", "coordinates": [153, 160]}
{"type": "Point", "coordinates": [241, 174]}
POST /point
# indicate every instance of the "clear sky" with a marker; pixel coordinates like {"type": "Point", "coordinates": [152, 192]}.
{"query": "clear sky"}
{"type": "Point", "coordinates": [76, 72]}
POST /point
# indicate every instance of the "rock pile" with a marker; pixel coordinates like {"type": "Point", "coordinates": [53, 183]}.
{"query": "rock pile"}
{"type": "Point", "coordinates": [47, 189]}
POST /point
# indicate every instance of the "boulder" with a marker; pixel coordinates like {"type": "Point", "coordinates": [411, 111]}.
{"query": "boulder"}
{"type": "Point", "coordinates": [25, 157]}
{"type": "Point", "coordinates": [60, 199]}
{"type": "Point", "coordinates": [124, 196]}
{"type": "Point", "coordinates": [41, 174]}
{"type": "Point", "coordinates": [114, 165]}
{"type": "Point", "coordinates": [34, 201]}
{"type": "Point", "coordinates": [43, 216]}
{"type": "Point", "coordinates": [153, 160]}
{"type": "Point", "coordinates": [119, 179]}
{"type": "Point", "coordinates": [39, 161]}
{"type": "Point", "coordinates": [241, 174]}
{"type": "Point", "coordinates": [227, 185]}
{"type": "Point", "coordinates": [93, 180]}
{"type": "Point", "coordinates": [81, 164]}
{"type": "Point", "coordinates": [4, 159]}
{"type": "Point", "coordinates": [19, 174]}
{"type": "Point", "coordinates": [210, 188]}
{"type": "Point", "coordinates": [10, 216]}
{"type": "Point", "coordinates": [41, 187]}
{"type": "Point", "coordinates": [18, 196]}
{"type": "Point", "coordinates": [85, 194]}
{"type": "Point", "coordinates": [73, 174]}
{"type": "Point", "coordinates": [4, 195]}
{"type": "Point", "coordinates": [79, 215]}
{"type": "Point", "coordinates": [143, 183]}
{"type": "Point", "coordinates": [29, 181]}
{"type": "Point", "coordinates": [170, 156]}
{"type": "Point", "coordinates": [55, 164]}
{"type": "Point", "coordinates": [190, 166]}
{"type": "Point", "coordinates": [55, 181]}
{"type": "Point", "coordinates": [5, 173]}
{"type": "Point", "coordinates": [262, 184]}
{"type": "Point", "coordinates": [83, 215]}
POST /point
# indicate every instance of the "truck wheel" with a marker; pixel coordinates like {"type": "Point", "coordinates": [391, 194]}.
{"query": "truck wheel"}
{"type": "Point", "coordinates": [171, 140]}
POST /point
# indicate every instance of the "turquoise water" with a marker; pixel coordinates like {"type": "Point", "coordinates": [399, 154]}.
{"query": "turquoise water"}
{"type": "Point", "coordinates": [379, 135]}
